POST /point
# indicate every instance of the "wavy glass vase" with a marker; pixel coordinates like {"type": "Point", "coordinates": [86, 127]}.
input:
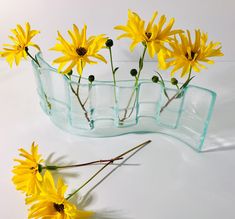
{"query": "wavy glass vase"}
{"type": "Point", "coordinates": [110, 112]}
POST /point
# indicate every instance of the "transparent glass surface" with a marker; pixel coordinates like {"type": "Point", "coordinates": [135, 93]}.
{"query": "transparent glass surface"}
{"type": "Point", "coordinates": [126, 104]}
{"type": "Point", "coordinates": [102, 109]}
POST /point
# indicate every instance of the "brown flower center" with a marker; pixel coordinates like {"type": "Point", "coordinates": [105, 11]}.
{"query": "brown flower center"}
{"type": "Point", "coordinates": [59, 207]}
{"type": "Point", "coordinates": [193, 54]}
{"type": "Point", "coordinates": [34, 170]}
{"type": "Point", "coordinates": [81, 51]}
{"type": "Point", "coordinates": [148, 35]}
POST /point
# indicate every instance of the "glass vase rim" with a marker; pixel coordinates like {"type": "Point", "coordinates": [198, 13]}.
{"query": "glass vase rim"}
{"type": "Point", "coordinates": [109, 82]}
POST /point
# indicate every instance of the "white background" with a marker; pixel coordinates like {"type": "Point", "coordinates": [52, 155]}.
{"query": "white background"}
{"type": "Point", "coordinates": [214, 17]}
{"type": "Point", "coordinates": [170, 180]}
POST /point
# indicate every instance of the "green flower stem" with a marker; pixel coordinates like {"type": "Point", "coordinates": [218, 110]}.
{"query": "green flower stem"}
{"type": "Point", "coordinates": [90, 86]}
{"type": "Point", "coordinates": [76, 93]}
{"type": "Point", "coordinates": [189, 77]}
{"type": "Point", "coordinates": [179, 91]}
{"type": "Point", "coordinates": [141, 65]}
{"type": "Point", "coordinates": [48, 103]}
{"type": "Point", "coordinates": [113, 73]}
{"type": "Point", "coordinates": [163, 84]}
{"type": "Point", "coordinates": [34, 59]}
{"type": "Point", "coordinates": [110, 162]}
{"type": "Point", "coordinates": [79, 81]}
{"type": "Point", "coordinates": [53, 167]}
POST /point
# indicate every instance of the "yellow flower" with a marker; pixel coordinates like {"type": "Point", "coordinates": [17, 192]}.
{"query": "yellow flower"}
{"type": "Point", "coordinates": [21, 41]}
{"type": "Point", "coordinates": [51, 204]}
{"type": "Point", "coordinates": [80, 51]}
{"type": "Point", "coordinates": [27, 177]}
{"type": "Point", "coordinates": [153, 36]}
{"type": "Point", "coordinates": [186, 55]}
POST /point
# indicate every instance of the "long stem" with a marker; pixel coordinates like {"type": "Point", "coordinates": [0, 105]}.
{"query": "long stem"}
{"type": "Point", "coordinates": [169, 101]}
{"type": "Point", "coordinates": [135, 86]}
{"type": "Point", "coordinates": [53, 167]}
{"type": "Point", "coordinates": [90, 86]}
{"type": "Point", "coordinates": [35, 60]}
{"type": "Point", "coordinates": [78, 96]}
{"type": "Point", "coordinates": [113, 73]}
{"type": "Point", "coordinates": [93, 176]}
{"type": "Point", "coordinates": [179, 91]}
{"type": "Point", "coordinates": [141, 64]}
{"type": "Point", "coordinates": [79, 81]}
{"type": "Point", "coordinates": [163, 84]}
{"type": "Point", "coordinates": [80, 102]}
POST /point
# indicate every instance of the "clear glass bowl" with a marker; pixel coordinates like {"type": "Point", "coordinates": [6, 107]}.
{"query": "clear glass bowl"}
{"type": "Point", "coordinates": [185, 118]}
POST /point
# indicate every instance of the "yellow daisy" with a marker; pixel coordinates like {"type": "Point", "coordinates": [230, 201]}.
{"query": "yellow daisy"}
{"type": "Point", "coordinates": [153, 36]}
{"type": "Point", "coordinates": [80, 51]}
{"type": "Point", "coordinates": [27, 177]}
{"type": "Point", "coordinates": [51, 204]}
{"type": "Point", "coordinates": [21, 41]}
{"type": "Point", "coordinates": [187, 55]}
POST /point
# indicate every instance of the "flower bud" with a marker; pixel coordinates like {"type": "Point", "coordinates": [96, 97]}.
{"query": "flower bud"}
{"type": "Point", "coordinates": [70, 73]}
{"type": "Point", "coordinates": [91, 78]}
{"type": "Point", "coordinates": [155, 79]}
{"type": "Point", "coordinates": [133, 72]}
{"type": "Point", "coordinates": [174, 81]}
{"type": "Point", "coordinates": [109, 43]}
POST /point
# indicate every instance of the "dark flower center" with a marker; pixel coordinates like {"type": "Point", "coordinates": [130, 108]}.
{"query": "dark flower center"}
{"type": "Point", "coordinates": [59, 207]}
{"type": "Point", "coordinates": [193, 54]}
{"type": "Point", "coordinates": [34, 170]}
{"type": "Point", "coordinates": [148, 35]}
{"type": "Point", "coordinates": [81, 51]}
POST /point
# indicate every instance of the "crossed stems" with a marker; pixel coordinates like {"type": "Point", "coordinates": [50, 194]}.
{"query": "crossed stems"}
{"type": "Point", "coordinates": [53, 167]}
{"type": "Point", "coordinates": [106, 162]}
{"type": "Point", "coordinates": [141, 63]}
{"type": "Point", "coordinates": [106, 165]}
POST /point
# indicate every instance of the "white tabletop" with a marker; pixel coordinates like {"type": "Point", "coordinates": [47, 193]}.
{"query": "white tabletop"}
{"type": "Point", "coordinates": [164, 180]}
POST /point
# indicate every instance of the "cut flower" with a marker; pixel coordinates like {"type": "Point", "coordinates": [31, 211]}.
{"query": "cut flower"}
{"type": "Point", "coordinates": [187, 55]}
{"type": "Point", "coordinates": [154, 36]}
{"type": "Point", "coordinates": [21, 41]}
{"type": "Point", "coordinates": [51, 203]}
{"type": "Point", "coordinates": [80, 51]}
{"type": "Point", "coordinates": [27, 177]}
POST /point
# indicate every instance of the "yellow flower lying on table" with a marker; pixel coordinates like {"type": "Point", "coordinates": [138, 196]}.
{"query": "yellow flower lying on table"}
{"type": "Point", "coordinates": [52, 204]}
{"type": "Point", "coordinates": [49, 201]}
{"type": "Point", "coordinates": [154, 36]}
{"type": "Point", "coordinates": [21, 40]}
{"type": "Point", "coordinates": [187, 55]}
{"type": "Point", "coordinates": [80, 51]}
{"type": "Point", "coordinates": [28, 174]}
{"type": "Point", "coordinates": [27, 177]}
